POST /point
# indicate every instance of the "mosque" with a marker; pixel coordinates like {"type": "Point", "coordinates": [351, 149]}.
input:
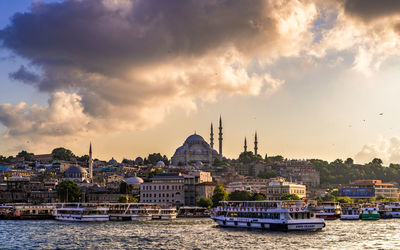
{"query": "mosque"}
{"type": "Point", "coordinates": [195, 150]}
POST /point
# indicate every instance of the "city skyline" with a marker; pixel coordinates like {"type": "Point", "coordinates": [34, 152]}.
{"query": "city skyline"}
{"type": "Point", "coordinates": [315, 79]}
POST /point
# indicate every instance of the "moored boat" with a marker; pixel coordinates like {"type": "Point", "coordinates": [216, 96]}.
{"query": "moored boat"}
{"type": "Point", "coordinates": [350, 211]}
{"type": "Point", "coordinates": [369, 212]}
{"type": "Point", "coordinates": [81, 212]}
{"type": "Point", "coordinates": [165, 214]}
{"type": "Point", "coordinates": [329, 210]}
{"type": "Point", "coordinates": [272, 215]}
{"type": "Point", "coordinates": [394, 209]}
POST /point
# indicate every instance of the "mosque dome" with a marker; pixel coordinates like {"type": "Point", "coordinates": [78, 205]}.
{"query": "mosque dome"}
{"type": "Point", "coordinates": [112, 161]}
{"type": "Point", "coordinates": [134, 180]}
{"type": "Point", "coordinates": [139, 160]}
{"type": "Point", "coordinates": [160, 164]}
{"type": "Point", "coordinates": [195, 138]}
{"type": "Point", "coordinates": [75, 172]}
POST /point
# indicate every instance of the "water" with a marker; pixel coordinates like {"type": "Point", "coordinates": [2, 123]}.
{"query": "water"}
{"type": "Point", "coordinates": [193, 234]}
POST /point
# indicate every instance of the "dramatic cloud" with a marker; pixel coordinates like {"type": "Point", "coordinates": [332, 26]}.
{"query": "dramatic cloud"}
{"type": "Point", "coordinates": [132, 62]}
{"type": "Point", "coordinates": [371, 9]}
{"type": "Point", "coordinates": [23, 75]}
{"type": "Point", "coordinates": [386, 149]}
{"type": "Point", "coordinates": [128, 59]}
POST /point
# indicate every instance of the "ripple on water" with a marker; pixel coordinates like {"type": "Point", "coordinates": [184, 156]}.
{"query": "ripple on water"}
{"type": "Point", "coordinates": [193, 234]}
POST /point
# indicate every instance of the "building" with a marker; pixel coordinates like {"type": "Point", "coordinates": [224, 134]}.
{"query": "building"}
{"type": "Point", "coordinates": [363, 189]}
{"type": "Point", "coordinates": [76, 174]}
{"type": "Point", "coordinates": [192, 192]}
{"type": "Point", "coordinates": [164, 188]}
{"type": "Point", "coordinates": [194, 150]}
{"type": "Point", "coordinates": [278, 186]}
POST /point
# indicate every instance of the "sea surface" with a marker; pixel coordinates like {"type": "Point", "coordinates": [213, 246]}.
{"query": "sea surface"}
{"type": "Point", "coordinates": [193, 234]}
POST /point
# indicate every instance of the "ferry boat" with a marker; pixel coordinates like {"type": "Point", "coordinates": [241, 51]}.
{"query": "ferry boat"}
{"type": "Point", "coordinates": [384, 211]}
{"type": "Point", "coordinates": [143, 212]}
{"type": "Point", "coordinates": [394, 209]}
{"type": "Point", "coordinates": [26, 212]}
{"type": "Point", "coordinates": [165, 214]}
{"type": "Point", "coordinates": [190, 212]}
{"type": "Point", "coordinates": [272, 215]}
{"type": "Point", "coordinates": [81, 212]}
{"type": "Point", "coordinates": [119, 211]}
{"type": "Point", "coordinates": [370, 212]}
{"type": "Point", "coordinates": [350, 211]}
{"type": "Point", "coordinates": [328, 210]}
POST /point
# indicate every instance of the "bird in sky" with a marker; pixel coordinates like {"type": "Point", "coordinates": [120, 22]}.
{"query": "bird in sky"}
{"type": "Point", "coordinates": [380, 113]}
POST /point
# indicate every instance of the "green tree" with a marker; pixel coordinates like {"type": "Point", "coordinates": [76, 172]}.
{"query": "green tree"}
{"type": "Point", "coordinates": [268, 174]}
{"type": "Point", "coordinates": [273, 159]}
{"type": "Point", "coordinates": [62, 154]}
{"type": "Point", "coordinates": [69, 191]}
{"type": "Point", "coordinates": [127, 199]}
{"type": "Point", "coordinates": [248, 157]}
{"type": "Point", "coordinates": [219, 194]}
{"type": "Point", "coordinates": [376, 162]}
{"type": "Point", "coordinates": [84, 158]}
{"type": "Point", "coordinates": [154, 158]}
{"type": "Point", "coordinates": [240, 196]}
{"type": "Point", "coordinates": [125, 188]}
{"type": "Point", "coordinates": [344, 200]}
{"type": "Point", "coordinates": [349, 161]}
{"type": "Point", "coordinates": [258, 197]}
{"type": "Point", "coordinates": [27, 156]}
{"type": "Point", "coordinates": [205, 202]}
{"type": "Point", "coordinates": [287, 197]}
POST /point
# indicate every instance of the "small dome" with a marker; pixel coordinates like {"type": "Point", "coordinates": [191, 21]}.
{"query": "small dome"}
{"type": "Point", "coordinates": [199, 163]}
{"type": "Point", "coordinates": [160, 164]}
{"type": "Point", "coordinates": [75, 169]}
{"type": "Point", "coordinates": [134, 180]}
{"type": "Point", "coordinates": [112, 161]}
{"type": "Point", "coordinates": [194, 138]}
{"type": "Point", "coordinates": [139, 160]}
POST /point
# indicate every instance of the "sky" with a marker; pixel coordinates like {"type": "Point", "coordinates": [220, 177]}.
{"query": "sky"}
{"type": "Point", "coordinates": [314, 78]}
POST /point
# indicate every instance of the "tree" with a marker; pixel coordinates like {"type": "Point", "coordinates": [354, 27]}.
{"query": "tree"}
{"type": "Point", "coordinates": [349, 161]}
{"type": "Point", "coordinates": [258, 197]}
{"type": "Point", "coordinates": [125, 188]}
{"type": "Point", "coordinates": [205, 202]}
{"type": "Point", "coordinates": [248, 157]}
{"type": "Point", "coordinates": [154, 158]}
{"type": "Point", "coordinates": [69, 191]}
{"type": "Point", "coordinates": [289, 197]}
{"type": "Point", "coordinates": [344, 200]}
{"type": "Point", "coordinates": [240, 196]}
{"type": "Point", "coordinates": [268, 174]}
{"type": "Point", "coordinates": [27, 156]}
{"type": "Point", "coordinates": [84, 158]}
{"type": "Point", "coordinates": [273, 159]}
{"type": "Point", "coordinates": [219, 194]}
{"type": "Point", "coordinates": [376, 162]}
{"type": "Point", "coordinates": [127, 199]}
{"type": "Point", "coordinates": [165, 160]}
{"type": "Point", "coordinates": [62, 154]}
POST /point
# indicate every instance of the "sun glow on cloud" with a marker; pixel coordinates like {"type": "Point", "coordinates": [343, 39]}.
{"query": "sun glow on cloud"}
{"type": "Point", "coordinates": [119, 61]}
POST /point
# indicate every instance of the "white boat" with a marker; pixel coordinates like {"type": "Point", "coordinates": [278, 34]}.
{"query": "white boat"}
{"type": "Point", "coordinates": [166, 214]}
{"type": "Point", "coordinates": [143, 212]}
{"type": "Point", "coordinates": [328, 210]}
{"type": "Point", "coordinates": [370, 212]}
{"type": "Point", "coordinates": [81, 212]}
{"type": "Point", "coordinates": [394, 208]}
{"type": "Point", "coordinates": [350, 212]}
{"type": "Point", "coordinates": [272, 215]}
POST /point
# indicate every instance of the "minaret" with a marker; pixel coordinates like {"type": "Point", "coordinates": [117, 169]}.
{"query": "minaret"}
{"type": "Point", "coordinates": [212, 137]}
{"type": "Point", "coordinates": [245, 144]}
{"type": "Point", "coordinates": [90, 163]}
{"type": "Point", "coordinates": [255, 144]}
{"type": "Point", "coordinates": [220, 136]}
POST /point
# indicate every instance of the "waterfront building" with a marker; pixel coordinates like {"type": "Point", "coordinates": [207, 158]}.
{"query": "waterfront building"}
{"type": "Point", "coordinates": [276, 187]}
{"type": "Point", "coordinates": [191, 181]}
{"type": "Point", "coordinates": [362, 189]}
{"type": "Point", "coordinates": [164, 188]}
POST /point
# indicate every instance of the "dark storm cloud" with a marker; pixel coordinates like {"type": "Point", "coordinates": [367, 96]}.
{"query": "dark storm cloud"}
{"type": "Point", "coordinates": [89, 36]}
{"type": "Point", "coordinates": [25, 76]}
{"type": "Point", "coordinates": [368, 10]}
